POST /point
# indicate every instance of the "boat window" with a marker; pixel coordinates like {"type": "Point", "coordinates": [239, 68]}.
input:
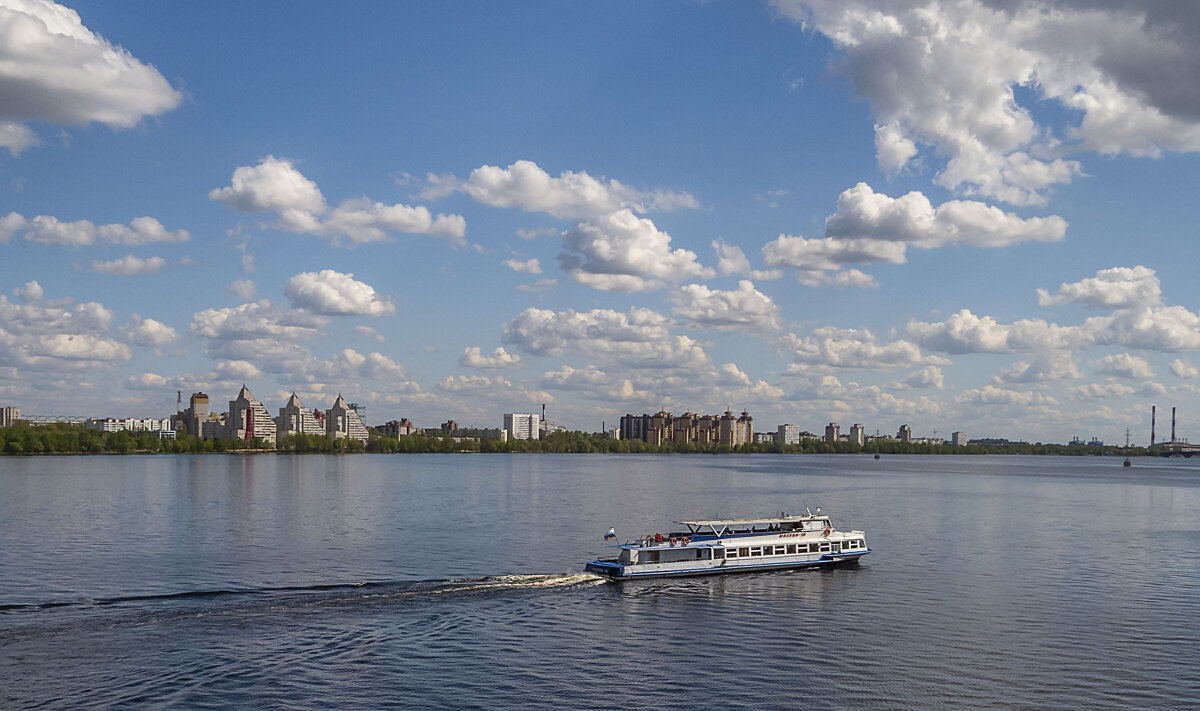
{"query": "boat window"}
{"type": "Point", "coordinates": [755, 551]}
{"type": "Point", "coordinates": [718, 553]}
{"type": "Point", "coordinates": [825, 547]}
{"type": "Point", "coordinates": [743, 552]}
{"type": "Point", "coordinates": [791, 549]}
{"type": "Point", "coordinates": [780, 550]}
{"type": "Point", "coordinates": [731, 553]}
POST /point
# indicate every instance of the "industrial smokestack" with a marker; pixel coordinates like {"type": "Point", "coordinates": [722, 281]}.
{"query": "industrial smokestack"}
{"type": "Point", "coordinates": [1153, 408]}
{"type": "Point", "coordinates": [1172, 423]}
{"type": "Point", "coordinates": [543, 412]}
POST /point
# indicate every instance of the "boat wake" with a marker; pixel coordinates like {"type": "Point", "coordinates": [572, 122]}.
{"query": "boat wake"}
{"type": "Point", "coordinates": [329, 592]}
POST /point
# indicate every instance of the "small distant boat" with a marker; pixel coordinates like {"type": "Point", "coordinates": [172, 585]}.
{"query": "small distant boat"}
{"type": "Point", "coordinates": [735, 546]}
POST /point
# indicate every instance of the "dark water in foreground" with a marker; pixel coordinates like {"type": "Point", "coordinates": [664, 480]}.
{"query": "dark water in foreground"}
{"type": "Point", "coordinates": [452, 581]}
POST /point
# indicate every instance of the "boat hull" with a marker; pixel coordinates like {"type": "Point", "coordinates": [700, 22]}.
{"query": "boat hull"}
{"type": "Point", "coordinates": [618, 571]}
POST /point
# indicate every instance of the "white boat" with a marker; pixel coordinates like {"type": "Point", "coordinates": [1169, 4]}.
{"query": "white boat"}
{"type": "Point", "coordinates": [735, 546]}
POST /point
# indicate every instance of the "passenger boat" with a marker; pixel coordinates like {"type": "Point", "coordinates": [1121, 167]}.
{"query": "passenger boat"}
{"type": "Point", "coordinates": [735, 546]}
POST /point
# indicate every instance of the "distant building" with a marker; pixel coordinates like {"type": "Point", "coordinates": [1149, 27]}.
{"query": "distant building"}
{"type": "Point", "coordinates": [248, 419]}
{"type": "Point", "coordinates": [163, 429]}
{"type": "Point", "coordinates": [393, 428]}
{"type": "Point", "coordinates": [342, 422]}
{"type": "Point", "coordinates": [788, 434]}
{"type": "Point", "coordinates": [521, 425]}
{"type": "Point", "coordinates": [904, 434]}
{"type": "Point", "coordinates": [857, 436]}
{"type": "Point", "coordinates": [192, 419]}
{"type": "Point", "coordinates": [958, 439]}
{"type": "Point", "coordinates": [547, 427]}
{"type": "Point", "coordinates": [832, 432]}
{"type": "Point", "coordinates": [449, 426]}
{"type": "Point", "coordinates": [9, 416]}
{"type": "Point", "coordinates": [764, 437]}
{"type": "Point", "coordinates": [294, 418]}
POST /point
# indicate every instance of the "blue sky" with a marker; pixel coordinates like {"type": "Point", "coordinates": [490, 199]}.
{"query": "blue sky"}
{"type": "Point", "coordinates": [960, 216]}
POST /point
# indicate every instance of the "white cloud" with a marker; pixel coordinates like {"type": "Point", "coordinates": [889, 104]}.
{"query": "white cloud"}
{"type": "Point", "coordinates": [79, 347]}
{"type": "Point", "coordinates": [275, 185]}
{"type": "Point", "coordinates": [369, 332]}
{"type": "Point", "coordinates": [1124, 365]}
{"type": "Point", "coordinates": [237, 370]}
{"type": "Point", "coordinates": [964, 332]}
{"type": "Point", "coordinates": [942, 75]}
{"type": "Point", "coordinates": [59, 316]}
{"type": "Point", "coordinates": [732, 260]}
{"type": "Point", "coordinates": [571, 195]}
{"type": "Point", "coordinates": [244, 289]}
{"type": "Point", "coordinates": [1116, 288]}
{"type": "Point", "coordinates": [1170, 329]}
{"type": "Point", "coordinates": [590, 378]}
{"type": "Point", "coordinates": [335, 294]}
{"type": "Point", "coordinates": [1049, 367]}
{"type": "Point", "coordinates": [11, 223]}
{"type": "Point", "coordinates": [540, 286]}
{"type": "Point", "coordinates": [819, 261]}
{"type": "Point", "coordinates": [255, 320]}
{"type": "Point", "coordinates": [129, 265]}
{"type": "Point", "coordinates": [991, 395]}
{"type": "Point", "coordinates": [531, 266]}
{"type": "Point", "coordinates": [148, 332]}
{"type": "Point", "coordinates": [745, 309]}
{"type": "Point", "coordinates": [639, 338]}
{"type": "Point", "coordinates": [624, 252]}
{"type": "Point", "coordinates": [853, 348]}
{"type": "Point", "coordinates": [1100, 391]}
{"type": "Point", "coordinates": [32, 291]}
{"type": "Point", "coordinates": [48, 230]}
{"type": "Point", "coordinates": [1183, 369]}
{"type": "Point", "coordinates": [863, 213]}
{"type": "Point", "coordinates": [472, 357]}
{"type": "Point", "coordinates": [55, 70]}
{"type": "Point", "coordinates": [928, 377]}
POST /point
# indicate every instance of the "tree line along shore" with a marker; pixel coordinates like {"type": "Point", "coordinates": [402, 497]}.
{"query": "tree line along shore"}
{"type": "Point", "coordinates": [60, 438]}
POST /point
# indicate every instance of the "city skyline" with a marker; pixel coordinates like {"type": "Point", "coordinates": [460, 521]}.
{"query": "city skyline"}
{"type": "Point", "coordinates": [959, 216]}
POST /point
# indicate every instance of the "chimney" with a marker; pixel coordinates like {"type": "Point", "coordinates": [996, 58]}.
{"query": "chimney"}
{"type": "Point", "coordinates": [1172, 423]}
{"type": "Point", "coordinates": [1152, 413]}
{"type": "Point", "coordinates": [543, 412]}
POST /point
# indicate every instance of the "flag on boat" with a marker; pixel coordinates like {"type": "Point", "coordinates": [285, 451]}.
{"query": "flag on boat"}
{"type": "Point", "coordinates": [612, 533]}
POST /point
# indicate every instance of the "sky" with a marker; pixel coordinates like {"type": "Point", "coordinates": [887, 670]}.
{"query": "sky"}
{"type": "Point", "coordinates": [962, 215]}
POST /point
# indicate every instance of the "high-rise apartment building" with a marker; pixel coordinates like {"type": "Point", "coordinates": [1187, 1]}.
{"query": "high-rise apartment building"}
{"type": "Point", "coordinates": [904, 434]}
{"type": "Point", "coordinates": [521, 425]}
{"type": "Point", "coordinates": [341, 421]}
{"type": "Point", "coordinates": [295, 418]}
{"type": "Point", "coordinates": [788, 434]}
{"type": "Point", "coordinates": [857, 436]}
{"type": "Point", "coordinates": [248, 419]}
{"type": "Point", "coordinates": [833, 432]}
{"type": "Point", "coordinates": [959, 439]}
{"type": "Point", "coordinates": [9, 416]}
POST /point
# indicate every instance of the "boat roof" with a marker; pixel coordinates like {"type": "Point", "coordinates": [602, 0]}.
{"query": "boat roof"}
{"type": "Point", "coordinates": [753, 521]}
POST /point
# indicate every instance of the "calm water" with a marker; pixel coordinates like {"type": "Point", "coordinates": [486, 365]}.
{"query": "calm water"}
{"type": "Point", "coordinates": [453, 581]}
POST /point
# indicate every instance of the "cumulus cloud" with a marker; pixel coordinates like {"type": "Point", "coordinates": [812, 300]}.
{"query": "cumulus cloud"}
{"type": "Point", "coordinates": [48, 230]}
{"type": "Point", "coordinates": [863, 213]}
{"type": "Point", "coordinates": [1183, 369]}
{"type": "Point", "coordinates": [276, 185]}
{"type": "Point", "coordinates": [531, 266]}
{"type": "Point", "coordinates": [624, 252]}
{"type": "Point", "coordinates": [473, 357]}
{"type": "Point", "coordinates": [640, 337]}
{"type": "Point", "coordinates": [732, 260]}
{"type": "Point", "coordinates": [539, 286]}
{"type": "Point", "coordinates": [991, 395]}
{"type": "Point", "coordinates": [128, 266]}
{"type": "Point", "coordinates": [332, 293]}
{"type": "Point", "coordinates": [244, 289]}
{"type": "Point", "coordinates": [1050, 367]}
{"type": "Point", "coordinates": [744, 309]}
{"type": "Point", "coordinates": [148, 332]}
{"type": "Point", "coordinates": [819, 262]}
{"type": "Point", "coordinates": [569, 196]}
{"type": "Point", "coordinates": [1125, 366]}
{"type": "Point", "coordinates": [854, 348]}
{"type": "Point", "coordinates": [1116, 288]}
{"type": "Point", "coordinates": [941, 75]}
{"type": "Point", "coordinates": [255, 320]}
{"type": "Point", "coordinates": [928, 377]}
{"type": "Point", "coordinates": [964, 332]}
{"type": "Point", "coordinates": [53, 69]}
{"type": "Point", "coordinates": [32, 291]}
{"type": "Point", "coordinates": [10, 224]}
{"type": "Point", "coordinates": [369, 332]}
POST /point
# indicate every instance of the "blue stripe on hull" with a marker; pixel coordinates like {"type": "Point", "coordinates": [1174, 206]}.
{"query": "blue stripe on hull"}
{"type": "Point", "coordinates": [616, 571]}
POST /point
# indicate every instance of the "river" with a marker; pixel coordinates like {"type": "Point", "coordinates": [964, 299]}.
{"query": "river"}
{"type": "Point", "coordinates": [455, 582]}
